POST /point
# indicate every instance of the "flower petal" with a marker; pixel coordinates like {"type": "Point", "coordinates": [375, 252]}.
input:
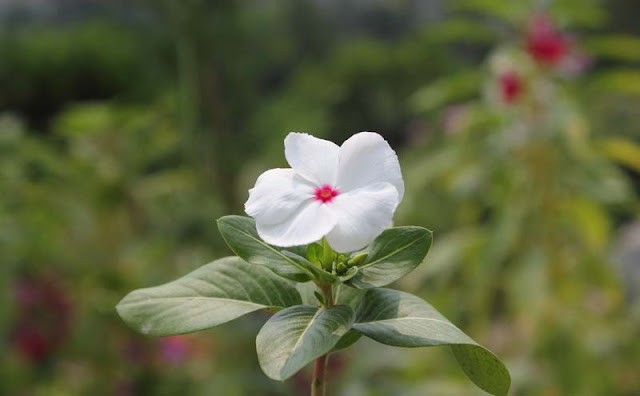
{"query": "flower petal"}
{"type": "Point", "coordinates": [312, 158]}
{"type": "Point", "coordinates": [309, 223]}
{"type": "Point", "coordinates": [276, 196]}
{"type": "Point", "coordinates": [366, 158]}
{"type": "Point", "coordinates": [362, 215]}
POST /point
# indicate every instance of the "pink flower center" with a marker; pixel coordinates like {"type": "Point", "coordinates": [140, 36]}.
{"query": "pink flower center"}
{"type": "Point", "coordinates": [326, 193]}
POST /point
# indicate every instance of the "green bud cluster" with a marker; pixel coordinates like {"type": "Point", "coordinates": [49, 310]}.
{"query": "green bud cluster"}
{"type": "Point", "coordinates": [357, 260]}
{"type": "Point", "coordinates": [323, 256]}
{"type": "Point", "coordinates": [343, 263]}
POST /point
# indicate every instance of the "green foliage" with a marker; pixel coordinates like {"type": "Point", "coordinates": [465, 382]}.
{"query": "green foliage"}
{"type": "Point", "coordinates": [296, 336]}
{"type": "Point", "coordinates": [124, 130]}
{"type": "Point", "coordinates": [401, 319]}
{"type": "Point", "coordinates": [625, 81]}
{"type": "Point", "coordinates": [240, 234]}
{"type": "Point", "coordinates": [212, 295]}
{"type": "Point", "coordinates": [392, 255]}
{"type": "Point", "coordinates": [44, 67]}
{"type": "Point", "coordinates": [619, 47]}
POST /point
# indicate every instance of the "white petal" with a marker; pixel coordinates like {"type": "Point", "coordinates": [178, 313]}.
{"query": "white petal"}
{"type": "Point", "coordinates": [362, 215]}
{"type": "Point", "coordinates": [309, 223]}
{"type": "Point", "coordinates": [312, 158]}
{"type": "Point", "coordinates": [276, 196]}
{"type": "Point", "coordinates": [366, 158]}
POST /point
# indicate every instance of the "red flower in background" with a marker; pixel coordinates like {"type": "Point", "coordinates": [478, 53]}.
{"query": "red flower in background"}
{"type": "Point", "coordinates": [511, 86]}
{"type": "Point", "coordinates": [544, 43]}
{"type": "Point", "coordinates": [44, 318]}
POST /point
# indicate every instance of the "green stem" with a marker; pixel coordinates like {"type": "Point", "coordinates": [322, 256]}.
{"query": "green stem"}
{"type": "Point", "coordinates": [318, 383]}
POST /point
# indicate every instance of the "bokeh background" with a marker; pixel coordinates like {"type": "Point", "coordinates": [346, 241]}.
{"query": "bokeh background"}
{"type": "Point", "coordinates": [128, 127]}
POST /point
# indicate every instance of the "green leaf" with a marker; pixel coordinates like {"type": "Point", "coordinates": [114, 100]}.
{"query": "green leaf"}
{"type": "Point", "coordinates": [618, 80]}
{"type": "Point", "coordinates": [346, 295]}
{"type": "Point", "coordinates": [347, 340]}
{"type": "Point", "coordinates": [392, 255]}
{"type": "Point", "coordinates": [351, 272]}
{"type": "Point", "coordinates": [328, 255]}
{"type": "Point", "coordinates": [463, 30]}
{"type": "Point", "coordinates": [211, 295]}
{"type": "Point", "coordinates": [295, 336]}
{"type": "Point", "coordinates": [240, 234]}
{"type": "Point", "coordinates": [453, 88]}
{"type": "Point", "coordinates": [318, 273]}
{"type": "Point", "coordinates": [623, 151]}
{"type": "Point", "coordinates": [315, 253]}
{"type": "Point", "coordinates": [625, 47]}
{"type": "Point", "coordinates": [308, 292]}
{"type": "Point", "coordinates": [404, 320]}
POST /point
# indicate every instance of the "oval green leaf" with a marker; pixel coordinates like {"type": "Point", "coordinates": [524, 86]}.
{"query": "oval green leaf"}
{"type": "Point", "coordinates": [392, 255]}
{"type": "Point", "coordinates": [240, 234]}
{"type": "Point", "coordinates": [347, 340]}
{"type": "Point", "coordinates": [211, 295]}
{"type": "Point", "coordinates": [404, 320]}
{"type": "Point", "coordinates": [296, 336]}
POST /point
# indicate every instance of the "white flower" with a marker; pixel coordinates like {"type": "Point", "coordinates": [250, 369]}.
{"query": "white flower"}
{"type": "Point", "coordinates": [347, 194]}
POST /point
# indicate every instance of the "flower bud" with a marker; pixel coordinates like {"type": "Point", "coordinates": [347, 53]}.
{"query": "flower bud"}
{"type": "Point", "coordinates": [358, 259]}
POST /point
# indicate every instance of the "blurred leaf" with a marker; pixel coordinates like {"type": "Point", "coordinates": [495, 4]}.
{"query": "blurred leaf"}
{"type": "Point", "coordinates": [623, 81]}
{"type": "Point", "coordinates": [403, 320]}
{"type": "Point", "coordinates": [85, 120]}
{"type": "Point", "coordinates": [240, 234]}
{"type": "Point", "coordinates": [209, 296]}
{"type": "Point", "coordinates": [295, 336]}
{"type": "Point", "coordinates": [457, 87]}
{"type": "Point", "coordinates": [511, 11]}
{"type": "Point", "coordinates": [444, 257]}
{"type": "Point", "coordinates": [623, 151]}
{"type": "Point", "coordinates": [462, 30]}
{"type": "Point", "coordinates": [392, 255]}
{"type": "Point", "coordinates": [618, 46]}
{"type": "Point", "coordinates": [589, 221]}
{"type": "Point", "coordinates": [588, 13]}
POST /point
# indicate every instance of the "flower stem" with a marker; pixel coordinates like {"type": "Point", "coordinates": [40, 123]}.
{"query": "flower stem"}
{"type": "Point", "coordinates": [318, 383]}
{"type": "Point", "coordinates": [319, 376]}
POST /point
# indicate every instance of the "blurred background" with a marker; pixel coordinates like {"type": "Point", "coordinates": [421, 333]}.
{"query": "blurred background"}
{"type": "Point", "coordinates": [128, 126]}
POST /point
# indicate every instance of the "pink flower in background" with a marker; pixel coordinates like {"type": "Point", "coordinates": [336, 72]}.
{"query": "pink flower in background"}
{"type": "Point", "coordinates": [175, 349]}
{"type": "Point", "coordinates": [44, 318]}
{"type": "Point", "coordinates": [544, 43]}
{"type": "Point", "coordinates": [510, 86]}
{"type": "Point", "coordinates": [31, 343]}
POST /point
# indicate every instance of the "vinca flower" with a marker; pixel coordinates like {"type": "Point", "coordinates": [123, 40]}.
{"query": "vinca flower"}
{"type": "Point", "coordinates": [347, 194]}
{"type": "Point", "coordinates": [544, 42]}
